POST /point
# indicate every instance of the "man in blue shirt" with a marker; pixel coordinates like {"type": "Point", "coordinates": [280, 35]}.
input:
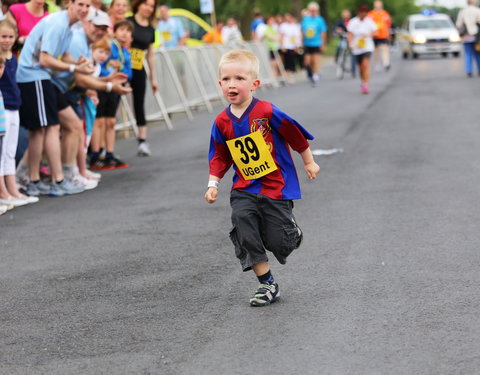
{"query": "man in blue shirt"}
{"type": "Point", "coordinates": [314, 31]}
{"type": "Point", "coordinates": [45, 50]}
{"type": "Point", "coordinates": [68, 107]}
{"type": "Point", "coordinates": [172, 33]}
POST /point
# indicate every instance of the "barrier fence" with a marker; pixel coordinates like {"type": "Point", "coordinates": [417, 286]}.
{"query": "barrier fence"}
{"type": "Point", "coordinates": [188, 79]}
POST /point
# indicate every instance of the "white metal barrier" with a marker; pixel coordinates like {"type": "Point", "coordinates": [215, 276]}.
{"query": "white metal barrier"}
{"type": "Point", "coordinates": [188, 79]}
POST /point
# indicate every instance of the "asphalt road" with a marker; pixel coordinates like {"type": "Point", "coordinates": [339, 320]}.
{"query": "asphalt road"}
{"type": "Point", "coordinates": [139, 276]}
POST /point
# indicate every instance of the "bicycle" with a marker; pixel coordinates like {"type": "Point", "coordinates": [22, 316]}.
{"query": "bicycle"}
{"type": "Point", "coordinates": [344, 61]}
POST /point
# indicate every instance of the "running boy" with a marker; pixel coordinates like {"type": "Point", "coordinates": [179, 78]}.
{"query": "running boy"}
{"type": "Point", "coordinates": [255, 136]}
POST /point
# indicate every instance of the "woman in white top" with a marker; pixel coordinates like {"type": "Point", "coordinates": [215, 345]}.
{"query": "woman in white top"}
{"type": "Point", "coordinates": [360, 33]}
{"type": "Point", "coordinates": [467, 23]}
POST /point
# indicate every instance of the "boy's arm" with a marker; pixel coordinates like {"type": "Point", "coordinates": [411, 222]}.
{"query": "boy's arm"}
{"type": "Point", "coordinates": [311, 168]}
{"type": "Point", "coordinates": [212, 190]}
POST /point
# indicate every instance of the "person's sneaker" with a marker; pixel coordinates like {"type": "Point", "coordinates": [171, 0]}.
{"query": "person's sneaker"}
{"type": "Point", "coordinates": [101, 165]}
{"type": "Point", "coordinates": [78, 179]}
{"type": "Point", "coordinates": [45, 170]}
{"type": "Point", "coordinates": [364, 88]}
{"type": "Point", "coordinates": [65, 187]}
{"type": "Point", "coordinates": [34, 189]}
{"type": "Point", "coordinates": [265, 295]}
{"type": "Point", "coordinates": [15, 202]}
{"type": "Point", "coordinates": [28, 198]}
{"type": "Point", "coordinates": [3, 209]}
{"type": "Point", "coordinates": [119, 164]}
{"type": "Point", "coordinates": [144, 149]}
{"type": "Point", "coordinates": [93, 175]}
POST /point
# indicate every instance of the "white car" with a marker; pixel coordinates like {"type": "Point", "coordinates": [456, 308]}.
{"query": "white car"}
{"type": "Point", "coordinates": [429, 34]}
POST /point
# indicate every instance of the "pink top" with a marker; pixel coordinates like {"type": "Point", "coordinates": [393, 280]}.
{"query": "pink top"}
{"type": "Point", "coordinates": [25, 20]}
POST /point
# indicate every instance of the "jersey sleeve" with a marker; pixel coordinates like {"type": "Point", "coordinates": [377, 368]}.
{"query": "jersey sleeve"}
{"type": "Point", "coordinates": [294, 133]}
{"type": "Point", "coordinates": [219, 157]}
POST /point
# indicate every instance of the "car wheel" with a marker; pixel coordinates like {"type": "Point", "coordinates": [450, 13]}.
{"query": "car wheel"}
{"type": "Point", "coordinates": [444, 54]}
{"type": "Point", "coordinates": [405, 55]}
{"type": "Point", "coordinates": [456, 54]}
{"type": "Point", "coordinates": [415, 55]}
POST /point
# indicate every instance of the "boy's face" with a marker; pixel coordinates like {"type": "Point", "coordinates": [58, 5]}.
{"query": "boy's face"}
{"type": "Point", "coordinates": [100, 55]}
{"type": "Point", "coordinates": [237, 82]}
{"type": "Point", "coordinates": [7, 39]}
{"type": "Point", "coordinates": [123, 35]}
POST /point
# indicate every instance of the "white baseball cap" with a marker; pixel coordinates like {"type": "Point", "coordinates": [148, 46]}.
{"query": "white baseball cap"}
{"type": "Point", "coordinates": [98, 17]}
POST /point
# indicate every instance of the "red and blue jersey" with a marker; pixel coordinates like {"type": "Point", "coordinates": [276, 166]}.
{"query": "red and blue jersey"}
{"type": "Point", "coordinates": [280, 133]}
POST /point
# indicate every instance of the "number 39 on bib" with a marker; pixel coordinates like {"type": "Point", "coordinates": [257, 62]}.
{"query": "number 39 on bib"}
{"type": "Point", "coordinates": [251, 155]}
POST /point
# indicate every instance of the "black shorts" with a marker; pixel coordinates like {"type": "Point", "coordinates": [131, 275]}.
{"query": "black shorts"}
{"type": "Point", "coordinates": [311, 50]}
{"type": "Point", "coordinates": [261, 223]}
{"type": "Point", "coordinates": [362, 56]}
{"type": "Point", "coordinates": [380, 41]}
{"type": "Point", "coordinates": [62, 101]}
{"type": "Point", "coordinates": [290, 58]}
{"type": "Point", "coordinates": [39, 104]}
{"type": "Point", "coordinates": [107, 104]}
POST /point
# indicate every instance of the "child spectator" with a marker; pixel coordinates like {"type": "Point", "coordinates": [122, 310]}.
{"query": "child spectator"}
{"type": "Point", "coordinates": [255, 136]}
{"type": "Point", "coordinates": [9, 193]}
{"type": "Point", "coordinates": [120, 61]}
{"type": "Point", "coordinates": [3, 207]}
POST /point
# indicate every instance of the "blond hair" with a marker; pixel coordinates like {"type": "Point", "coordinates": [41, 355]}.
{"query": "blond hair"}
{"type": "Point", "coordinates": [242, 55]}
{"type": "Point", "coordinates": [103, 43]}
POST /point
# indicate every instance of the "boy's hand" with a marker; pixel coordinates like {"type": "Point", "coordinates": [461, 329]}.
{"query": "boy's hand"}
{"type": "Point", "coordinates": [312, 169]}
{"type": "Point", "coordinates": [121, 90]}
{"type": "Point", "coordinates": [115, 64]}
{"type": "Point", "coordinates": [211, 195]}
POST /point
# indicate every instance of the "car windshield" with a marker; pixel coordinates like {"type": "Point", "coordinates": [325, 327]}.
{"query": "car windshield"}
{"type": "Point", "coordinates": [431, 24]}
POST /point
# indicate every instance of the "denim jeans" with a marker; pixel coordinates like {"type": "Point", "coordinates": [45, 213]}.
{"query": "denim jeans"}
{"type": "Point", "coordinates": [470, 55]}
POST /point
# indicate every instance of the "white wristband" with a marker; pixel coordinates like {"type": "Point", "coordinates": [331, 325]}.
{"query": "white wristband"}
{"type": "Point", "coordinates": [109, 87]}
{"type": "Point", "coordinates": [214, 184]}
{"type": "Point", "coordinates": [71, 68]}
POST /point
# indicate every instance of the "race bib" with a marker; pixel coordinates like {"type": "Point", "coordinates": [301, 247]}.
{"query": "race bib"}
{"type": "Point", "coordinates": [137, 56]}
{"type": "Point", "coordinates": [251, 155]}
{"type": "Point", "coordinates": [310, 33]}
{"type": "Point", "coordinates": [166, 36]}
{"type": "Point", "coordinates": [361, 43]}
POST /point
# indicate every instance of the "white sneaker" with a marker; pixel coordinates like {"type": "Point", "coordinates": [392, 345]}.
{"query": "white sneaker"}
{"type": "Point", "coordinates": [28, 199]}
{"type": "Point", "coordinates": [88, 184]}
{"type": "Point", "coordinates": [93, 175]}
{"type": "Point", "coordinates": [3, 209]}
{"type": "Point", "coordinates": [15, 202]}
{"type": "Point", "coordinates": [144, 149]}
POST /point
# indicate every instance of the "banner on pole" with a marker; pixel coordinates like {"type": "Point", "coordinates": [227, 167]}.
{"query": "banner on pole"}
{"type": "Point", "coordinates": [206, 6]}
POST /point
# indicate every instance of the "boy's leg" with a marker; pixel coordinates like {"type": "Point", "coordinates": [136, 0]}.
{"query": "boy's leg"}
{"type": "Point", "coordinates": [280, 232]}
{"type": "Point", "coordinates": [249, 248]}
{"type": "Point", "coordinates": [36, 141]}
{"type": "Point", "coordinates": [245, 233]}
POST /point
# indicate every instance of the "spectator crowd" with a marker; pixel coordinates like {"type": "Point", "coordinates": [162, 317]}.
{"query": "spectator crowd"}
{"type": "Point", "coordinates": [63, 72]}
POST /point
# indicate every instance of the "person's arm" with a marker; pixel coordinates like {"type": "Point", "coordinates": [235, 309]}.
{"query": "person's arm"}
{"type": "Point", "coordinates": [350, 39]}
{"type": "Point", "coordinates": [212, 189]}
{"type": "Point", "coordinates": [311, 167]}
{"type": "Point", "coordinates": [67, 63]}
{"type": "Point", "coordinates": [151, 66]}
{"type": "Point", "coordinates": [90, 82]}
{"type": "Point", "coordinates": [324, 40]}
